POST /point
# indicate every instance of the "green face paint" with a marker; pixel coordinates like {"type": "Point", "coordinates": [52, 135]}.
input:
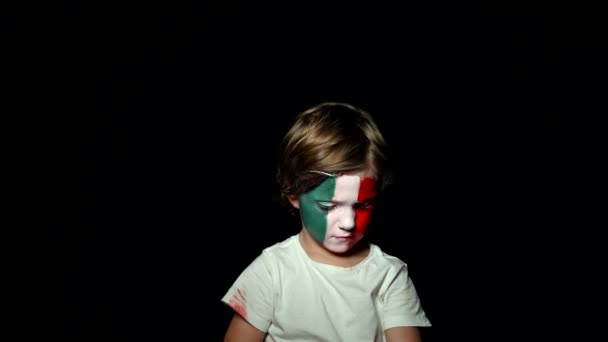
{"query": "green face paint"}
{"type": "Point", "coordinates": [314, 216]}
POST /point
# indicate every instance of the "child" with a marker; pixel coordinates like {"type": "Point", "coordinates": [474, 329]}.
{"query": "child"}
{"type": "Point", "coordinates": [328, 283]}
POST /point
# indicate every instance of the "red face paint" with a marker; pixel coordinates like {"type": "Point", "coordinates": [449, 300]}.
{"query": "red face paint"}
{"type": "Point", "coordinates": [367, 192]}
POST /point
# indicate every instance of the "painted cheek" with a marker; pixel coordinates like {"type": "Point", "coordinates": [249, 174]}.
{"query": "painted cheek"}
{"type": "Point", "coordinates": [367, 191]}
{"type": "Point", "coordinates": [362, 220]}
{"type": "Point", "coordinates": [313, 217]}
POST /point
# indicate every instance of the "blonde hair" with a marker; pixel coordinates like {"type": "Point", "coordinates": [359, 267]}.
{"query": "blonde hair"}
{"type": "Point", "coordinates": [330, 138]}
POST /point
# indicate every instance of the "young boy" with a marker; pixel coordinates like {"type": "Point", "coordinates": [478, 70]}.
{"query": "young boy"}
{"type": "Point", "coordinates": [328, 283]}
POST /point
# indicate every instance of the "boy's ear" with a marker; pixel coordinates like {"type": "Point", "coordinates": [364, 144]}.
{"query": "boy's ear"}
{"type": "Point", "coordinates": [294, 201]}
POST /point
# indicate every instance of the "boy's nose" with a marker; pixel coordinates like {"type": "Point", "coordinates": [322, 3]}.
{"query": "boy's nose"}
{"type": "Point", "coordinates": [347, 219]}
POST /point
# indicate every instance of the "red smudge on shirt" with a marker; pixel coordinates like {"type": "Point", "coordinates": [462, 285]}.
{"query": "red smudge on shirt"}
{"type": "Point", "coordinates": [238, 302]}
{"type": "Point", "coordinates": [367, 192]}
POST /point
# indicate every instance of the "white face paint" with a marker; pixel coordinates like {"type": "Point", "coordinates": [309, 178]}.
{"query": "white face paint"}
{"type": "Point", "coordinates": [341, 234]}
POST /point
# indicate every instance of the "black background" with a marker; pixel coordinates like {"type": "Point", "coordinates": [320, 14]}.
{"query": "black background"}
{"type": "Point", "coordinates": [161, 178]}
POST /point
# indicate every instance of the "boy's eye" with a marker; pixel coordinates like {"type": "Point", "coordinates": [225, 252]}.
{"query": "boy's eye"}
{"type": "Point", "coordinates": [365, 205]}
{"type": "Point", "coordinates": [326, 205]}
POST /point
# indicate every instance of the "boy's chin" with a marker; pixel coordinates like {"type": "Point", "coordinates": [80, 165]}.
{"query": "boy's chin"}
{"type": "Point", "coordinates": [341, 247]}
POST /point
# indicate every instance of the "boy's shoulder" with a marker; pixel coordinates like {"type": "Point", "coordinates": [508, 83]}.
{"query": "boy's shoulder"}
{"type": "Point", "coordinates": [281, 249]}
{"type": "Point", "coordinates": [387, 259]}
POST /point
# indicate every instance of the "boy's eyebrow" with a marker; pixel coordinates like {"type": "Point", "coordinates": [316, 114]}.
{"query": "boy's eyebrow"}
{"type": "Point", "coordinates": [369, 198]}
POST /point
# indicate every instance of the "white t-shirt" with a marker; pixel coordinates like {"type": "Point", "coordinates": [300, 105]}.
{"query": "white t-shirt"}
{"type": "Point", "coordinates": [291, 297]}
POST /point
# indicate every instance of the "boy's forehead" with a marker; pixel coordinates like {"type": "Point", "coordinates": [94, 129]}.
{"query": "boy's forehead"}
{"type": "Point", "coordinates": [359, 182]}
{"type": "Point", "coordinates": [350, 179]}
{"type": "Point", "coordinates": [360, 173]}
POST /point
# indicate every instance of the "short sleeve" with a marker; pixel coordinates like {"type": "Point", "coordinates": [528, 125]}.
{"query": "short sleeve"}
{"type": "Point", "coordinates": [251, 295]}
{"type": "Point", "coordinates": [401, 305]}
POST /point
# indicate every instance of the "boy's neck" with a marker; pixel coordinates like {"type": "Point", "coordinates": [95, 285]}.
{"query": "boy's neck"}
{"type": "Point", "coordinates": [320, 254]}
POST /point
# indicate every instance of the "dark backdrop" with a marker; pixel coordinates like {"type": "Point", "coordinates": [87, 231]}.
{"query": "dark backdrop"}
{"type": "Point", "coordinates": [165, 170]}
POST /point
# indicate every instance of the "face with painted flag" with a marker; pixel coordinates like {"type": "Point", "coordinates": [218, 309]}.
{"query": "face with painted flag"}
{"type": "Point", "coordinates": [337, 212]}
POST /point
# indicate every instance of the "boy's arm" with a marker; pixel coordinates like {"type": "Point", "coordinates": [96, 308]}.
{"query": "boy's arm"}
{"type": "Point", "coordinates": [239, 330]}
{"type": "Point", "coordinates": [402, 334]}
